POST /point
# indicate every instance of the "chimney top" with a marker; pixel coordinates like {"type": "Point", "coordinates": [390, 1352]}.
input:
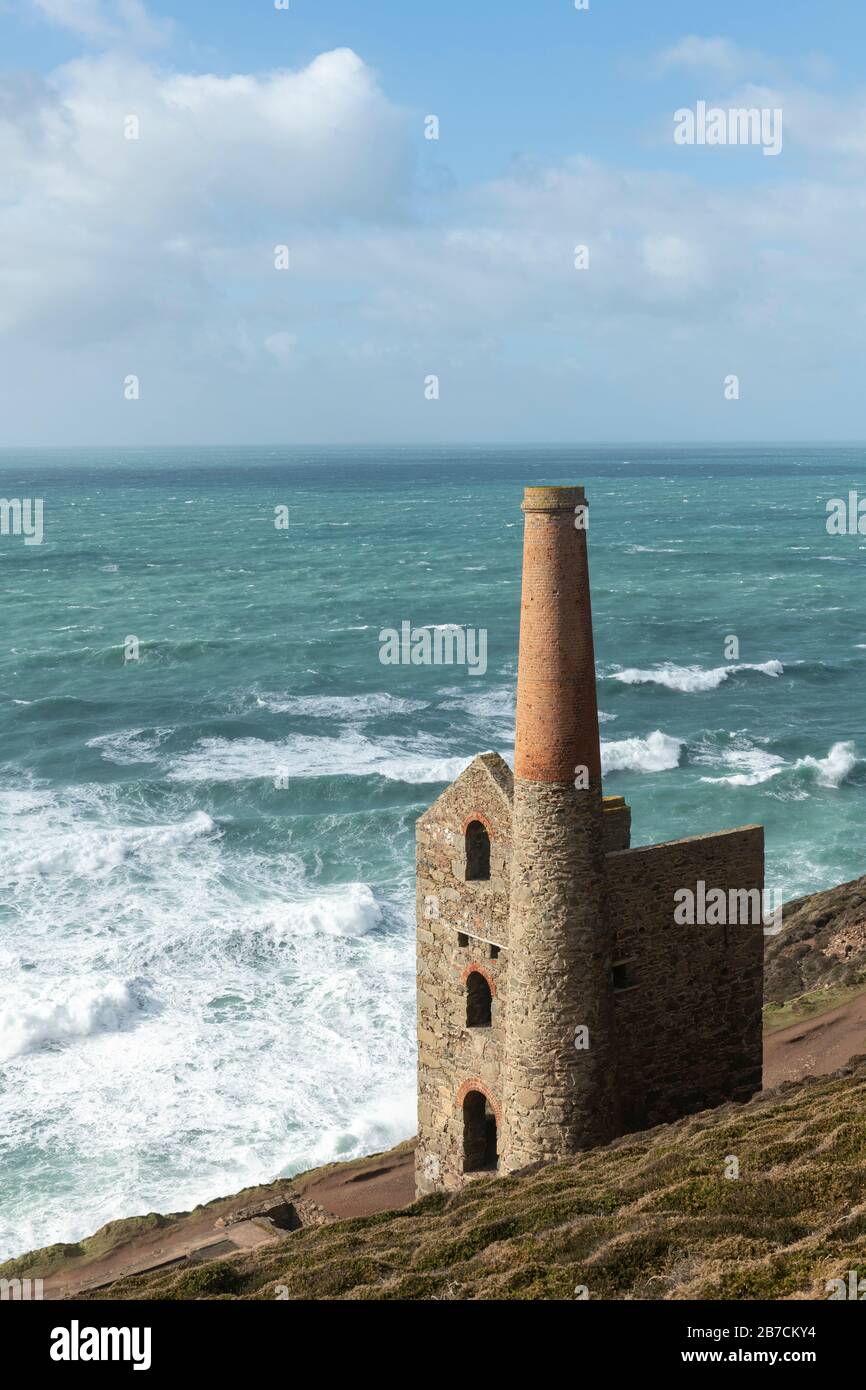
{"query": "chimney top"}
{"type": "Point", "coordinates": [554, 498]}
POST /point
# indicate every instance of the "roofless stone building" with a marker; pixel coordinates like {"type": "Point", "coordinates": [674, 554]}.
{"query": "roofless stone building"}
{"type": "Point", "coordinates": [559, 1004]}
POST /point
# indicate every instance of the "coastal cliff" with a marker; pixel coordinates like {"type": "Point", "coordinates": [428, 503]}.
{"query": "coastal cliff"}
{"type": "Point", "coordinates": [822, 945]}
{"type": "Point", "coordinates": [651, 1215]}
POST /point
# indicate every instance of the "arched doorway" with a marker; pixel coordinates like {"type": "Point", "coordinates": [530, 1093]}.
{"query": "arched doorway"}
{"type": "Point", "coordinates": [479, 1134]}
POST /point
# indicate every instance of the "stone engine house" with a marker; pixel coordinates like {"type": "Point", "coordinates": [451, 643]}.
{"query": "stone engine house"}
{"type": "Point", "coordinates": [559, 1003]}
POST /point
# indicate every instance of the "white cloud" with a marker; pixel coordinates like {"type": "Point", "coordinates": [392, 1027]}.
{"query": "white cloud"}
{"type": "Point", "coordinates": [156, 256]}
{"type": "Point", "coordinates": [671, 259]}
{"type": "Point", "coordinates": [283, 347]}
{"type": "Point", "coordinates": [716, 55]}
{"type": "Point", "coordinates": [830, 127]}
{"type": "Point", "coordinates": [107, 22]}
{"type": "Point", "coordinates": [94, 226]}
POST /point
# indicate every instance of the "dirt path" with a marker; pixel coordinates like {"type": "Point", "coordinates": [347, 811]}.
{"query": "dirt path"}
{"type": "Point", "coordinates": [366, 1187]}
{"type": "Point", "coordinates": [817, 1045]}
{"type": "Point", "coordinates": [359, 1188]}
{"type": "Point", "coordinates": [189, 1240]}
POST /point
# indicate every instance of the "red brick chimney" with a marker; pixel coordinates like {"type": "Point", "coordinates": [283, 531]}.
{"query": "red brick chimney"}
{"type": "Point", "coordinates": [557, 712]}
{"type": "Point", "coordinates": [559, 1078]}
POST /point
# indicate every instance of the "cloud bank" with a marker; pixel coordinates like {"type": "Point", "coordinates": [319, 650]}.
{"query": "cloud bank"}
{"type": "Point", "coordinates": [155, 255]}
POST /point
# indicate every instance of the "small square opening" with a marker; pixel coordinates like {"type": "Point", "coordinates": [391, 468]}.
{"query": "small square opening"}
{"type": "Point", "coordinates": [624, 975]}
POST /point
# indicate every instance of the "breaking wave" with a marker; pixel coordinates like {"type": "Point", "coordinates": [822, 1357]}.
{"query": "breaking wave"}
{"type": "Point", "coordinates": [752, 766]}
{"type": "Point", "coordinates": [832, 770]}
{"type": "Point", "coordinates": [692, 679]}
{"type": "Point", "coordinates": [657, 752]}
{"type": "Point", "coordinates": [29, 1026]}
{"type": "Point", "coordinates": [349, 911]}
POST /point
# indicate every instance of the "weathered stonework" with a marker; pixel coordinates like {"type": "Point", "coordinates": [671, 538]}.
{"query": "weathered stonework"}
{"type": "Point", "coordinates": [460, 924]}
{"type": "Point", "coordinates": [689, 1030]}
{"type": "Point", "coordinates": [559, 1003]}
{"type": "Point", "coordinates": [557, 1097]}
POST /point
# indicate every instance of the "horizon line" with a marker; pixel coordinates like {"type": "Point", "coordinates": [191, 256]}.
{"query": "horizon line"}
{"type": "Point", "coordinates": [469, 444]}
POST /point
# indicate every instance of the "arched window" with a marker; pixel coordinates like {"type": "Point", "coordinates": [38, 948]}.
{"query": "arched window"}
{"type": "Point", "coordinates": [479, 1134]}
{"type": "Point", "coordinates": [479, 1000]}
{"type": "Point", "coordinates": [477, 851]}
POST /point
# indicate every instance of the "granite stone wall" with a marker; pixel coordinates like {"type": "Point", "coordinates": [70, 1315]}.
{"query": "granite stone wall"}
{"type": "Point", "coordinates": [462, 926]}
{"type": "Point", "coordinates": [688, 1012]}
{"type": "Point", "coordinates": [686, 1000]}
{"type": "Point", "coordinates": [556, 1083]}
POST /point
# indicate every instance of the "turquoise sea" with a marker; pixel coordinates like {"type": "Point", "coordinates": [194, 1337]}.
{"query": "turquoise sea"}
{"type": "Point", "coordinates": [206, 854]}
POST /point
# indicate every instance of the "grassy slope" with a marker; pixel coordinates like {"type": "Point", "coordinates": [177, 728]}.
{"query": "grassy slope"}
{"type": "Point", "coordinates": [651, 1216]}
{"type": "Point", "coordinates": [43, 1262]}
{"type": "Point", "coordinates": [808, 1006]}
{"type": "Point", "coordinates": [806, 973]}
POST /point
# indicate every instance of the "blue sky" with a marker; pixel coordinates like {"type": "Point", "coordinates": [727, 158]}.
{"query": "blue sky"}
{"type": "Point", "coordinates": [412, 258]}
{"type": "Point", "coordinates": [514, 76]}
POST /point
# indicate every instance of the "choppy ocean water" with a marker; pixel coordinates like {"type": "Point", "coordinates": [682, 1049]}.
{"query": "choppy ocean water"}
{"type": "Point", "coordinates": [206, 855]}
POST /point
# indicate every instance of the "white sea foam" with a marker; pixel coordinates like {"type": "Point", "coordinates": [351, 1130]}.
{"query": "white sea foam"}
{"type": "Point", "coordinates": [370, 1129]}
{"type": "Point", "coordinates": [303, 755]}
{"type": "Point", "coordinates": [278, 1028]}
{"type": "Point", "coordinates": [349, 911]}
{"type": "Point", "coordinates": [497, 704]}
{"type": "Point", "coordinates": [495, 707]}
{"type": "Point", "coordinates": [130, 746]}
{"type": "Point", "coordinates": [348, 707]}
{"type": "Point", "coordinates": [657, 752]}
{"type": "Point", "coordinates": [692, 679]}
{"type": "Point", "coordinates": [89, 851]}
{"type": "Point", "coordinates": [29, 1025]}
{"type": "Point", "coordinates": [754, 766]}
{"type": "Point", "coordinates": [832, 770]}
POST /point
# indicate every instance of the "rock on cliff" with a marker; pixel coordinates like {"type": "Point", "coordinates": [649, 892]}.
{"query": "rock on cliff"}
{"type": "Point", "coordinates": [822, 943]}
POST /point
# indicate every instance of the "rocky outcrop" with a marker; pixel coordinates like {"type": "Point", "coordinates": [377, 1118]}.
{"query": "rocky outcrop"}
{"type": "Point", "coordinates": [822, 943]}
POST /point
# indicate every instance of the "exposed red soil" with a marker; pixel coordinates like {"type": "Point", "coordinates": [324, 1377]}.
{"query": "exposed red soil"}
{"type": "Point", "coordinates": [817, 1045]}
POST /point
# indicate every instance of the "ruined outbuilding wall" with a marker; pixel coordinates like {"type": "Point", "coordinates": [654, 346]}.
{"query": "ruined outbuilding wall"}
{"type": "Point", "coordinates": [688, 1019]}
